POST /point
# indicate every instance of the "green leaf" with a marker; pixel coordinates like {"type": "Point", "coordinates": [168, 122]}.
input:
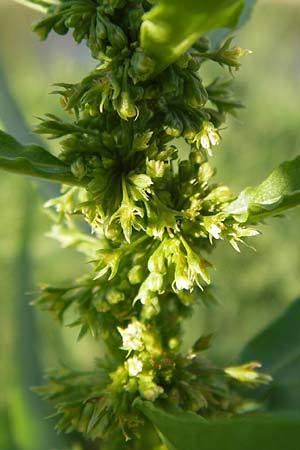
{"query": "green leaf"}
{"type": "Point", "coordinates": [33, 160]}
{"type": "Point", "coordinates": [171, 27]}
{"type": "Point", "coordinates": [188, 431]}
{"type": "Point", "coordinates": [280, 191]}
{"type": "Point", "coordinates": [216, 36]}
{"type": "Point", "coordinates": [278, 349]}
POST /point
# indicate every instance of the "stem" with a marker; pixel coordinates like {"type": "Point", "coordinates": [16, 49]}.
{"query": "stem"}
{"type": "Point", "coordinates": [124, 189]}
{"type": "Point", "coordinates": [35, 6]}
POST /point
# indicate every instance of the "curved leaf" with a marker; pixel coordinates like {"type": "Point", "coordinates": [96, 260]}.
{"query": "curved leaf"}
{"type": "Point", "coordinates": [33, 160]}
{"type": "Point", "coordinates": [278, 349]}
{"type": "Point", "coordinates": [216, 36]}
{"type": "Point", "coordinates": [280, 191]}
{"type": "Point", "coordinates": [171, 27]}
{"type": "Point", "coordinates": [183, 430]}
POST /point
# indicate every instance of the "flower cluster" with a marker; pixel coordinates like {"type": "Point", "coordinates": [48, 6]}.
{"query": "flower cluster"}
{"type": "Point", "coordinates": [153, 217]}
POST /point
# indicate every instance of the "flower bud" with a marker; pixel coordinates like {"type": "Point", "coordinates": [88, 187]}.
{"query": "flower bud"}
{"type": "Point", "coordinates": [148, 389]}
{"type": "Point", "coordinates": [202, 44]}
{"type": "Point", "coordinates": [115, 35]}
{"type": "Point", "coordinates": [60, 27]}
{"type": "Point", "coordinates": [173, 343]}
{"type": "Point", "coordinates": [174, 125]}
{"type": "Point", "coordinates": [125, 106]}
{"type": "Point", "coordinates": [134, 366]}
{"type": "Point", "coordinates": [156, 262]}
{"type": "Point", "coordinates": [136, 274]}
{"type": "Point", "coordinates": [78, 168]}
{"type": "Point", "coordinates": [195, 94]}
{"type": "Point", "coordinates": [247, 373]}
{"type": "Point", "coordinates": [132, 336]}
{"type": "Point", "coordinates": [155, 282]}
{"type": "Point", "coordinates": [142, 65]}
{"type": "Point", "coordinates": [114, 296]}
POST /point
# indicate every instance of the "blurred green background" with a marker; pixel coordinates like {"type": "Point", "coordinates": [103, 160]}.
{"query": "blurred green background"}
{"type": "Point", "coordinates": [251, 287]}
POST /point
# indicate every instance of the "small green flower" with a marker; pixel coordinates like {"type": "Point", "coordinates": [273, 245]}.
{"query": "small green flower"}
{"type": "Point", "coordinates": [227, 55]}
{"type": "Point", "coordinates": [128, 214]}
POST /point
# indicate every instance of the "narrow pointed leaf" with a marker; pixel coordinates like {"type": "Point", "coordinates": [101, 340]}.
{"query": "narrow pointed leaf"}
{"type": "Point", "coordinates": [171, 27]}
{"type": "Point", "coordinates": [33, 160]}
{"type": "Point", "coordinates": [278, 349]}
{"type": "Point", "coordinates": [280, 191]}
{"type": "Point", "coordinates": [183, 430]}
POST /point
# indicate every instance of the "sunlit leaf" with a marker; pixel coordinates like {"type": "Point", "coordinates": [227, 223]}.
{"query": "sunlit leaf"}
{"type": "Point", "coordinates": [278, 192]}
{"type": "Point", "coordinates": [171, 27]}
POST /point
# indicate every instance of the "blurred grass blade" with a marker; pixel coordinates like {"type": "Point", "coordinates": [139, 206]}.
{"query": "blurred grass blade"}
{"type": "Point", "coordinates": [171, 27]}
{"type": "Point", "coordinates": [24, 409]}
{"type": "Point", "coordinates": [32, 160]}
{"type": "Point", "coordinates": [278, 349]}
{"type": "Point", "coordinates": [185, 430]}
{"type": "Point", "coordinates": [38, 5]}
{"type": "Point", "coordinates": [279, 192]}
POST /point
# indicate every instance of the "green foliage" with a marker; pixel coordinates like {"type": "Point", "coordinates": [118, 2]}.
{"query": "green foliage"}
{"type": "Point", "coordinates": [275, 348]}
{"type": "Point", "coordinates": [280, 191]}
{"type": "Point", "coordinates": [32, 160]}
{"type": "Point", "coordinates": [216, 36]}
{"type": "Point", "coordinates": [183, 430]}
{"type": "Point", "coordinates": [147, 220]}
{"type": "Point", "coordinates": [171, 28]}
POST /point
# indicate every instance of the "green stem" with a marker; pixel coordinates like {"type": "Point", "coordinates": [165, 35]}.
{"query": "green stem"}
{"type": "Point", "coordinates": [35, 6]}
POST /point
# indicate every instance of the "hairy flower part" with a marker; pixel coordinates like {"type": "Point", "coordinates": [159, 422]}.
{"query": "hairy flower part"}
{"type": "Point", "coordinates": [132, 336]}
{"type": "Point", "coordinates": [208, 137]}
{"type": "Point", "coordinates": [247, 373]}
{"type": "Point", "coordinates": [134, 365]}
{"type": "Point", "coordinates": [228, 55]}
{"type": "Point", "coordinates": [128, 215]}
{"type": "Point", "coordinates": [148, 389]}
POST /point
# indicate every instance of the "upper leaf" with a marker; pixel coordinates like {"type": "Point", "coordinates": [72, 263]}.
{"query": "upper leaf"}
{"type": "Point", "coordinates": [184, 430]}
{"type": "Point", "coordinates": [216, 36]}
{"type": "Point", "coordinates": [171, 27]}
{"type": "Point", "coordinates": [33, 160]}
{"type": "Point", "coordinates": [278, 349]}
{"type": "Point", "coordinates": [280, 191]}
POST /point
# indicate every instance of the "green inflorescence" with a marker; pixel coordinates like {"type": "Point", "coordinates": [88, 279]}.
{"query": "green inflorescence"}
{"type": "Point", "coordinates": [153, 218]}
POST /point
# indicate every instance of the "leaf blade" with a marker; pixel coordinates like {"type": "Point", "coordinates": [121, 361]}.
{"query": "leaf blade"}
{"type": "Point", "coordinates": [170, 28]}
{"type": "Point", "coordinates": [277, 347]}
{"type": "Point", "coordinates": [33, 160]}
{"type": "Point", "coordinates": [278, 192]}
{"type": "Point", "coordinates": [216, 36]}
{"type": "Point", "coordinates": [184, 430]}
